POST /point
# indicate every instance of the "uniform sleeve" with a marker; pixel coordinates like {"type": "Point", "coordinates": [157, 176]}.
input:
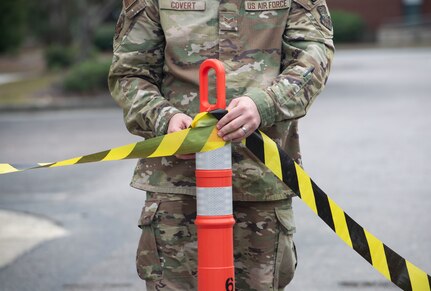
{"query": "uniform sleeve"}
{"type": "Point", "coordinates": [307, 52]}
{"type": "Point", "coordinates": [136, 71]}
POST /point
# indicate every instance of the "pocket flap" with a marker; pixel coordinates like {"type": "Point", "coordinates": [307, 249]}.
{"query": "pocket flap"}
{"type": "Point", "coordinates": [309, 4]}
{"type": "Point", "coordinates": [133, 7]}
{"type": "Point", "coordinates": [148, 213]}
{"type": "Point", "coordinates": [285, 217]}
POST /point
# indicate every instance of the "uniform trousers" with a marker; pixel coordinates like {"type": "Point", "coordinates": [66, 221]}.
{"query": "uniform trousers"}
{"type": "Point", "coordinates": [264, 252]}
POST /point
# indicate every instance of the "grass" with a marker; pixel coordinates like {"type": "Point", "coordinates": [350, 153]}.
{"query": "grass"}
{"type": "Point", "coordinates": [36, 86]}
{"type": "Point", "coordinates": [22, 91]}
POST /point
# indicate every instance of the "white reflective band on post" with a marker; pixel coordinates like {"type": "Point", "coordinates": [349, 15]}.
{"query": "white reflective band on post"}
{"type": "Point", "coordinates": [214, 201]}
{"type": "Point", "coordinates": [218, 159]}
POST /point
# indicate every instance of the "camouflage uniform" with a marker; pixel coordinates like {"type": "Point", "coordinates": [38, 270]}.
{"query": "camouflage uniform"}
{"type": "Point", "coordinates": [277, 52]}
{"type": "Point", "coordinates": [265, 256]}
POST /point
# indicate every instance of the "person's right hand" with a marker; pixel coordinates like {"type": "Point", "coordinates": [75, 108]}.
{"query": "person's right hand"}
{"type": "Point", "coordinates": [179, 122]}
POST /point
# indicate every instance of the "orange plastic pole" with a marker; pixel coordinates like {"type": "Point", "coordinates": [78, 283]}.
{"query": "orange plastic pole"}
{"type": "Point", "coordinates": [214, 221]}
{"type": "Point", "coordinates": [205, 67]}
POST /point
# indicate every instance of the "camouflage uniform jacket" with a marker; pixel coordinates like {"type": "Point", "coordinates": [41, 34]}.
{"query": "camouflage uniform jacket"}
{"type": "Point", "coordinates": [277, 52]}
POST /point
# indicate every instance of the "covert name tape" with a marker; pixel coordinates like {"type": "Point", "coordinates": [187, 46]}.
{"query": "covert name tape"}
{"type": "Point", "coordinates": [203, 137]}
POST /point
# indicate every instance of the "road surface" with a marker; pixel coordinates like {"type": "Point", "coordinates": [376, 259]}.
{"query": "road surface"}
{"type": "Point", "coordinates": [365, 141]}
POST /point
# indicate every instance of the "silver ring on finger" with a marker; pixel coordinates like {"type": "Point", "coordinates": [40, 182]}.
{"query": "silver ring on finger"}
{"type": "Point", "coordinates": [244, 129]}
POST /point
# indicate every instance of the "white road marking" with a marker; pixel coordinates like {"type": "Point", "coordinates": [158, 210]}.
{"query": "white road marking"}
{"type": "Point", "coordinates": [20, 232]}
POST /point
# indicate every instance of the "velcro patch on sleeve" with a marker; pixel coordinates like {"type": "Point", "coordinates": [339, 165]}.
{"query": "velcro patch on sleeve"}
{"type": "Point", "coordinates": [325, 19]}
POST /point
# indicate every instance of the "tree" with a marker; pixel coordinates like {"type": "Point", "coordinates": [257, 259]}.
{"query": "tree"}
{"type": "Point", "coordinates": [93, 13]}
{"type": "Point", "coordinates": [70, 23]}
{"type": "Point", "coordinates": [12, 24]}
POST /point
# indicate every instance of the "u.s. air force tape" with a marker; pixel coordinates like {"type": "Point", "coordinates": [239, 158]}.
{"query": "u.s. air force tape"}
{"type": "Point", "coordinates": [203, 137]}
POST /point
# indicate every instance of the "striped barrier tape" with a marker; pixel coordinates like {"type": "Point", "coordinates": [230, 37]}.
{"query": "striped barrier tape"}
{"type": "Point", "coordinates": [390, 264]}
{"type": "Point", "coordinates": [203, 137]}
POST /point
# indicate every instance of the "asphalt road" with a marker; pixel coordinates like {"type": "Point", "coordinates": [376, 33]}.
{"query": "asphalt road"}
{"type": "Point", "coordinates": [92, 202]}
{"type": "Point", "coordinates": [365, 141]}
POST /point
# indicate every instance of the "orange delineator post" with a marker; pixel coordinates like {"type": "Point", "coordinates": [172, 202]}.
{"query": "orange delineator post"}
{"type": "Point", "coordinates": [214, 221]}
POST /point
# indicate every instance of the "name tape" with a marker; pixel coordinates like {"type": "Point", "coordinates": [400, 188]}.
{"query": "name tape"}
{"type": "Point", "coordinates": [182, 5]}
{"type": "Point", "coordinates": [202, 136]}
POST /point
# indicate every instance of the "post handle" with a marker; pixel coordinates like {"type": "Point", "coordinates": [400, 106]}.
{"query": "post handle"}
{"type": "Point", "coordinates": [220, 85]}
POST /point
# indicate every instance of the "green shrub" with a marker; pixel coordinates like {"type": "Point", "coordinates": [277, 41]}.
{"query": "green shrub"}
{"type": "Point", "coordinates": [87, 77]}
{"type": "Point", "coordinates": [103, 36]}
{"type": "Point", "coordinates": [348, 27]}
{"type": "Point", "coordinates": [58, 57]}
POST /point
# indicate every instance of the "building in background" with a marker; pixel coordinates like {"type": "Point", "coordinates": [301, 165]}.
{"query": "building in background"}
{"type": "Point", "coordinates": [391, 21]}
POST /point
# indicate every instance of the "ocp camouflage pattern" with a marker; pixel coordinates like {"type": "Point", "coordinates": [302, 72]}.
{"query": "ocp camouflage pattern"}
{"type": "Point", "coordinates": [265, 256]}
{"type": "Point", "coordinates": [167, 248]}
{"type": "Point", "coordinates": [278, 57]}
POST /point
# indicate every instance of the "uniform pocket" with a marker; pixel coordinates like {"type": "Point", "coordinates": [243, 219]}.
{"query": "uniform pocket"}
{"type": "Point", "coordinates": [176, 238]}
{"type": "Point", "coordinates": [285, 217]}
{"type": "Point", "coordinates": [286, 258]}
{"type": "Point", "coordinates": [147, 257]}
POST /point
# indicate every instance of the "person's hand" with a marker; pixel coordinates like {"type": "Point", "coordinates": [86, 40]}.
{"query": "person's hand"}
{"type": "Point", "coordinates": [242, 120]}
{"type": "Point", "coordinates": [179, 122]}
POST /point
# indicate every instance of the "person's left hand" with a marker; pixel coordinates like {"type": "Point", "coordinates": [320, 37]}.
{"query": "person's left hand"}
{"type": "Point", "coordinates": [242, 120]}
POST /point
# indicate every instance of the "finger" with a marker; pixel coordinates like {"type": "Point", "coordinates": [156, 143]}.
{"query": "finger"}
{"type": "Point", "coordinates": [232, 126]}
{"type": "Point", "coordinates": [179, 122]}
{"type": "Point", "coordinates": [187, 122]}
{"type": "Point", "coordinates": [237, 135]}
{"type": "Point", "coordinates": [174, 129]}
{"type": "Point", "coordinates": [231, 115]}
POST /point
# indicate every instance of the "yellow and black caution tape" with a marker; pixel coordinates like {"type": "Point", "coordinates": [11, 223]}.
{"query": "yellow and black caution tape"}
{"type": "Point", "coordinates": [390, 264]}
{"type": "Point", "coordinates": [203, 137]}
